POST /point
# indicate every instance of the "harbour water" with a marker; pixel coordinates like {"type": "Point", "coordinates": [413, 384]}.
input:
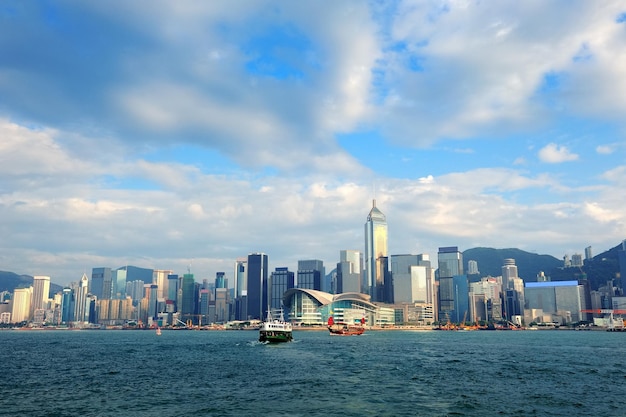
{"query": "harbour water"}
{"type": "Point", "coordinates": [381, 373]}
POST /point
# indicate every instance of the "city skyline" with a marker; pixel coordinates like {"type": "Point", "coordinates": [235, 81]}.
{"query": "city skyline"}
{"type": "Point", "coordinates": [194, 134]}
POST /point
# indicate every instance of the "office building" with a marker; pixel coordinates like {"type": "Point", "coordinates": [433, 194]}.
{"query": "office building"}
{"type": "Point", "coordinates": [257, 293]}
{"type": "Point", "coordinates": [101, 285]}
{"type": "Point", "coordinates": [21, 303]}
{"type": "Point", "coordinates": [81, 306]}
{"type": "Point", "coordinates": [310, 274]}
{"type": "Point", "coordinates": [41, 293]}
{"type": "Point", "coordinates": [450, 264]}
{"type": "Point", "coordinates": [376, 262]}
{"type": "Point", "coordinates": [349, 272]}
{"type": "Point", "coordinates": [281, 280]}
{"type": "Point", "coordinates": [555, 301]}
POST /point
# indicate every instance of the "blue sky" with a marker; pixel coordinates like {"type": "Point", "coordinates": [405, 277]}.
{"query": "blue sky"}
{"type": "Point", "coordinates": [163, 134]}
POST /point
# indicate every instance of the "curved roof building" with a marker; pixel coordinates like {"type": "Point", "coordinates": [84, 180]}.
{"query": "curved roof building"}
{"type": "Point", "coordinates": [312, 307]}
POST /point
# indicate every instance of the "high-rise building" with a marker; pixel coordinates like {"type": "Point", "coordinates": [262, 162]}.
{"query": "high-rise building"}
{"type": "Point", "coordinates": [21, 302]}
{"type": "Point", "coordinates": [159, 278]}
{"type": "Point", "coordinates": [257, 276]}
{"type": "Point", "coordinates": [472, 267]}
{"type": "Point", "coordinates": [349, 272]}
{"type": "Point", "coordinates": [282, 279]}
{"type": "Point", "coordinates": [577, 260]}
{"type": "Point", "coordinates": [450, 264]}
{"type": "Point", "coordinates": [220, 280]}
{"type": "Point", "coordinates": [310, 274]}
{"type": "Point", "coordinates": [67, 305]}
{"type": "Point", "coordinates": [412, 281]}
{"type": "Point", "coordinates": [241, 277]}
{"type": "Point", "coordinates": [588, 253]}
{"type": "Point", "coordinates": [513, 290]}
{"type": "Point", "coordinates": [376, 253]}
{"type": "Point", "coordinates": [81, 308]}
{"type": "Point", "coordinates": [41, 292]}
{"type": "Point", "coordinates": [118, 277]}
{"type": "Point", "coordinates": [101, 285]}
{"type": "Point", "coordinates": [188, 302]}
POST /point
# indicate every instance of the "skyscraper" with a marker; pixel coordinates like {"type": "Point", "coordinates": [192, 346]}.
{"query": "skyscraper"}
{"type": "Point", "coordinates": [375, 253]}
{"type": "Point", "coordinates": [101, 283]}
{"type": "Point", "coordinates": [41, 292]}
{"type": "Point", "coordinates": [81, 309]}
{"type": "Point", "coordinates": [450, 264]}
{"type": "Point", "coordinates": [349, 271]}
{"type": "Point", "coordinates": [310, 274]}
{"type": "Point", "coordinates": [282, 280]}
{"type": "Point", "coordinates": [258, 298]}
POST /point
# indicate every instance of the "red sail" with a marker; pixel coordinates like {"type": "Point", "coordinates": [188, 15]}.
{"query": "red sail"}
{"type": "Point", "coordinates": [331, 321]}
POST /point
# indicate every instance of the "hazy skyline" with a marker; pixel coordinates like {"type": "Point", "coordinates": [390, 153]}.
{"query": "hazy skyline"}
{"type": "Point", "coordinates": [164, 134]}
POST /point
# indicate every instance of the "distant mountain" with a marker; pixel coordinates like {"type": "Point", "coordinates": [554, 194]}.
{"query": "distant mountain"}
{"type": "Point", "coordinates": [598, 271]}
{"type": "Point", "coordinates": [529, 264]}
{"type": "Point", "coordinates": [9, 281]}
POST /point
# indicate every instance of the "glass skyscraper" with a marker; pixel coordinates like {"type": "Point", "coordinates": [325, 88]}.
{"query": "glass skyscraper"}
{"type": "Point", "coordinates": [450, 264]}
{"type": "Point", "coordinates": [375, 254]}
{"type": "Point", "coordinates": [258, 298]}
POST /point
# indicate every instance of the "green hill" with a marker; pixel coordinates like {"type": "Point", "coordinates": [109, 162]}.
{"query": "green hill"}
{"type": "Point", "coordinates": [9, 281]}
{"type": "Point", "coordinates": [529, 264]}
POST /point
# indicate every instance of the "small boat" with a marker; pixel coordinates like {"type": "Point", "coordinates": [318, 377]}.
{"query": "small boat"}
{"type": "Point", "coordinates": [158, 332]}
{"type": "Point", "coordinates": [345, 329]}
{"type": "Point", "coordinates": [275, 330]}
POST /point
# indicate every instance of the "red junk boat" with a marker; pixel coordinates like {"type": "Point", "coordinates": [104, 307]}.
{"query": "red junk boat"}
{"type": "Point", "coordinates": [345, 329]}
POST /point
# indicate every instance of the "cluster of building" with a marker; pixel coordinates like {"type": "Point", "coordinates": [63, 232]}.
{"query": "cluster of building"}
{"type": "Point", "coordinates": [384, 289]}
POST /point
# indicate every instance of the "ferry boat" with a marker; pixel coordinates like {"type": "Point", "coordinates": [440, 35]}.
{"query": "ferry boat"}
{"type": "Point", "coordinates": [275, 330]}
{"type": "Point", "coordinates": [345, 329]}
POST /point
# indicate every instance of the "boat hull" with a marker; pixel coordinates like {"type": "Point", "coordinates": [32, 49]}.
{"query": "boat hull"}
{"type": "Point", "coordinates": [345, 330]}
{"type": "Point", "coordinates": [274, 336]}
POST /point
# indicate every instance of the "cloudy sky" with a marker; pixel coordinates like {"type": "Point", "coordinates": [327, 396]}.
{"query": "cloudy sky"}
{"type": "Point", "coordinates": [175, 134]}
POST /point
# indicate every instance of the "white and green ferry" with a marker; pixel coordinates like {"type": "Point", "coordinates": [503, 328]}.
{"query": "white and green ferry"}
{"type": "Point", "coordinates": [275, 330]}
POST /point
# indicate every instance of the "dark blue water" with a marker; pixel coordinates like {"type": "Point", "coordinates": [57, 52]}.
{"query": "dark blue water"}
{"type": "Point", "coordinates": [384, 373]}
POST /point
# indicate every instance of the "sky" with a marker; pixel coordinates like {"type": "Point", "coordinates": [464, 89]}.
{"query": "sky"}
{"type": "Point", "coordinates": [184, 135]}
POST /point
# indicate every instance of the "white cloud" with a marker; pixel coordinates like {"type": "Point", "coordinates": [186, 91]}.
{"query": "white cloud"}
{"type": "Point", "coordinates": [605, 149]}
{"type": "Point", "coordinates": [555, 154]}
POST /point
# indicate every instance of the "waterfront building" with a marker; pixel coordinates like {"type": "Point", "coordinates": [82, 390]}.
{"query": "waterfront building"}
{"type": "Point", "coordinates": [41, 293]}
{"type": "Point", "coordinates": [349, 272]}
{"type": "Point", "coordinates": [485, 300]}
{"type": "Point", "coordinates": [118, 278]}
{"type": "Point", "coordinates": [376, 254]}
{"type": "Point", "coordinates": [310, 274]}
{"type": "Point", "coordinates": [188, 301]}
{"type": "Point", "coordinates": [450, 264]}
{"type": "Point", "coordinates": [81, 308]}
{"type": "Point", "coordinates": [281, 280]}
{"type": "Point", "coordinates": [67, 305]}
{"type": "Point", "coordinates": [257, 295]}
{"type": "Point", "coordinates": [222, 302]}
{"type": "Point", "coordinates": [412, 279]}
{"type": "Point", "coordinates": [172, 288]}
{"type": "Point", "coordinates": [513, 290]}
{"type": "Point", "coordinates": [560, 301]}
{"type": "Point", "coordinates": [159, 278]}
{"type": "Point", "coordinates": [313, 308]}
{"type": "Point", "coordinates": [101, 285]}
{"type": "Point", "coordinates": [205, 303]}
{"type": "Point", "coordinates": [21, 303]}
{"type": "Point", "coordinates": [135, 290]}
{"type": "Point", "coordinates": [240, 276]}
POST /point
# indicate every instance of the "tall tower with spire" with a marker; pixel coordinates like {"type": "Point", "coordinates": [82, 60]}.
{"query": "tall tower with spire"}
{"type": "Point", "coordinates": [376, 261]}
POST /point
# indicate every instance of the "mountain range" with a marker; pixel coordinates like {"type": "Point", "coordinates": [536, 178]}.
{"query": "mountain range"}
{"type": "Point", "coordinates": [599, 270]}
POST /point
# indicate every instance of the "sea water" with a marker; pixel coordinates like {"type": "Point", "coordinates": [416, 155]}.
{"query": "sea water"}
{"type": "Point", "coordinates": [381, 373]}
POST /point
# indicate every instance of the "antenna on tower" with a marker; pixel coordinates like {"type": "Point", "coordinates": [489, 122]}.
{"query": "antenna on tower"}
{"type": "Point", "coordinates": [189, 267]}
